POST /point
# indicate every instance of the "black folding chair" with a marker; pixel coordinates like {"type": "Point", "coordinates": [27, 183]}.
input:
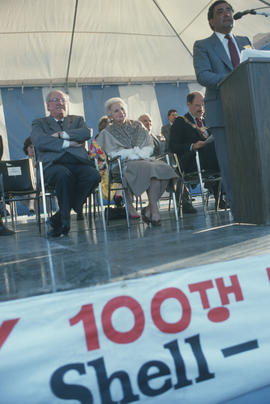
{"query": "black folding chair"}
{"type": "Point", "coordinates": [17, 183]}
{"type": "Point", "coordinates": [200, 176]}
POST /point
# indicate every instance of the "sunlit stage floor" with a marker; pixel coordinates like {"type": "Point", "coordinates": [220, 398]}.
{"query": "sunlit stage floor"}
{"type": "Point", "coordinates": [32, 264]}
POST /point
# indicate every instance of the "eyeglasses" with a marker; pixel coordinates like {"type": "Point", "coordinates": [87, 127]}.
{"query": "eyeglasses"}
{"type": "Point", "coordinates": [57, 99]}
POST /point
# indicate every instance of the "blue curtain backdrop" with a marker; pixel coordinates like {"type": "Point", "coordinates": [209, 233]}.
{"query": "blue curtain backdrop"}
{"type": "Point", "coordinates": [171, 96]}
{"type": "Point", "coordinates": [20, 108]}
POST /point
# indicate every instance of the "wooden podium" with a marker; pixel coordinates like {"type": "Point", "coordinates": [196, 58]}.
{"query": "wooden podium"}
{"type": "Point", "coordinates": [245, 97]}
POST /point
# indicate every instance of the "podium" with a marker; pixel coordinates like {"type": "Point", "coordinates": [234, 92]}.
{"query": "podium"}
{"type": "Point", "coordinates": [245, 95]}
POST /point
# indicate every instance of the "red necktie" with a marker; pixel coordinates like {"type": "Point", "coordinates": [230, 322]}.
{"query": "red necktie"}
{"type": "Point", "coordinates": [233, 51]}
{"type": "Point", "coordinates": [201, 128]}
{"type": "Point", "coordinates": [199, 122]}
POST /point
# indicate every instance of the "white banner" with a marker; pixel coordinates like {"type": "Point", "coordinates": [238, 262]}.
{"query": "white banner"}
{"type": "Point", "coordinates": [200, 335]}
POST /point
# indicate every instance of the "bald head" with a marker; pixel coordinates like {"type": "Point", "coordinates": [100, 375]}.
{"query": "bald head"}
{"type": "Point", "coordinates": [146, 120]}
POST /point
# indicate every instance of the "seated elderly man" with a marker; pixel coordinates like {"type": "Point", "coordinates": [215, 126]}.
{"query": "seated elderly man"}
{"type": "Point", "coordinates": [159, 140]}
{"type": "Point", "coordinates": [59, 141]}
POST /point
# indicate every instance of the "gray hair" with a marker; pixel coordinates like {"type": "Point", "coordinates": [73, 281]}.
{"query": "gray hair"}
{"type": "Point", "coordinates": [111, 101]}
{"type": "Point", "coordinates": [145, 114]}
{"type": "Point", "coordinates": [58, 91]}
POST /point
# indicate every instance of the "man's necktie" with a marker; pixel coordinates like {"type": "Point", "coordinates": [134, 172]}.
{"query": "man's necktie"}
{"type": "Point", "coordinates": [60, 123]}
{"type": "Point", "coordinates": [200, 127]}
{"type": "Point", "coordinates": [199, 122]}
{"type": "Point", "coordinates": [233, 51]}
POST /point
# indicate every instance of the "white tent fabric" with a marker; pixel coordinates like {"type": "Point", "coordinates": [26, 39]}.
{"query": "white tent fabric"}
{"type": "Point", "coordinates": [114, 41]}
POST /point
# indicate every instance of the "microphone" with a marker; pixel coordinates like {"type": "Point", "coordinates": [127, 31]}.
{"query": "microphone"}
{"type": "Point", "coordinates": [240, 14]}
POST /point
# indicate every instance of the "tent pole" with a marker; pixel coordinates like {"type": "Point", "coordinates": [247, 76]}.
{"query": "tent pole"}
{"type": "Point", "coordinates": [71, 44]}
{"type": "Point", "coordinates": [172, 27]}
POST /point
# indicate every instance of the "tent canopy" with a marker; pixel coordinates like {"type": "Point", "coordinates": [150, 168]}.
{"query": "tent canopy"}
{"type": "Point", "coordinates": [111, 41]}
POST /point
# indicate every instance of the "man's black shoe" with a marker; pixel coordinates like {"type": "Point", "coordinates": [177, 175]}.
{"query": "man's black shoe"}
{"type": "Point", "coordinates": [223, 204]}
{"type": "Point", "coordinates": [188, 208]}
{"type": "Point", "coordinates": [65, 230]}
{"type": "Point", "coordinates": [4, 231]}
{"type": "Point", "coordinates": [56, 232]}
{"type": "Point", "coordinates": [79, 216]}
{"type": "Point", "coordinates": [55, 220]}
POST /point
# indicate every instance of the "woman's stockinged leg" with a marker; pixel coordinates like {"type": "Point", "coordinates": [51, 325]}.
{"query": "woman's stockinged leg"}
{"type": "Point", "coordinates": [154, 192]}
{"type": "Point", "coordinates": [132, 211]}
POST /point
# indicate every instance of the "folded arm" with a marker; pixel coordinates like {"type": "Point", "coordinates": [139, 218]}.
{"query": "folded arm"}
{"type": "Point", "coordinates": [133, 154]}
{"type": "Point", "coordinates": [57, 141]}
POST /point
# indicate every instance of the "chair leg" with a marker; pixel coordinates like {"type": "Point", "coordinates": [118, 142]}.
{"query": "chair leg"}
{"type": "Point", "coordinates": [175, 206]}
{"type": "Point", "coordinates": [3, 197]}
{"type": "Point", "coordinates": [90, 210]}
{"type": "Point", "coordinates": [109, 198]}
{"type": "Point", "coordinates": [43, 197]}
{"type": "Point", "coordinates": [181, 193]}
{"type": "Point", "coordinates": [126, 206]}
{"type": "Point", "coordinates": [101, 206]}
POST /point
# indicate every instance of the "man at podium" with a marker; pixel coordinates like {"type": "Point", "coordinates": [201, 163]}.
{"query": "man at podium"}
{"type": "Point", "coordinates": [214, 58]}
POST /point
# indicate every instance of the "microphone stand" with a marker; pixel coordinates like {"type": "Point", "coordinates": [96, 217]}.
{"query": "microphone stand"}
{"type": "Point", "coordinates": [262, 13]}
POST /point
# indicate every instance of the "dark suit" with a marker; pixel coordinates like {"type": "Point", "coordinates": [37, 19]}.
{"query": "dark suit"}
{"type": "Point", "coordinates": [183, 135]}
{"type": "Point", "coordinates": [212, 64]}
{"type": "Point", "coordinates": [165, 131]}
{"type": "Point", "coordinates": [70, 169]}
{"type": "Point", "coordinates": [1, 147]}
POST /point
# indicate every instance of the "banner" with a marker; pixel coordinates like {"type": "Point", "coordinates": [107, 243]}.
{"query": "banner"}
{"type": "Point", "coordinates": [200, 335]}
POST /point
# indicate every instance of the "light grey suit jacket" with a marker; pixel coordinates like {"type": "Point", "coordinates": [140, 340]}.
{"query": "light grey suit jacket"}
{"type": "Point", "coordinates": [212, 65]}
{"type": "Point", "coordinates": [50, 148]}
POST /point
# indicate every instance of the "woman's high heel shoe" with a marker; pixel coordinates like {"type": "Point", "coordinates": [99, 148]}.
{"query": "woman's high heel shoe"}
{"type": "Point", "coordinates": [155, 222]}
{"type": "Point", "coordinates": [134, 216]}
{"type": "Point", "coordinates": [145, 218]}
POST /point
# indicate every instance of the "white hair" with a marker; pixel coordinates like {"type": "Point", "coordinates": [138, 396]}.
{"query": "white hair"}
{"type": "Point", "coordinates": [145, 114]}
{"type": "Point", "coordinates": [48, 97]}
{"type": "Point", "coordinates": [111, 101]}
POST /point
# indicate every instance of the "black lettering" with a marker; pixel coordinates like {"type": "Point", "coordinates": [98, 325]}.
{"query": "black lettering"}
{"type": "Point", "coordinates": [144, 378]}
{"type": "Point", "coordinates": [104, 383]}
{"type": "Point", "coordinates": [179, 364]}
{"type": "Point", "coordinates": [70, 391]}
{"type": "Point", "coordinates": [204, 373]}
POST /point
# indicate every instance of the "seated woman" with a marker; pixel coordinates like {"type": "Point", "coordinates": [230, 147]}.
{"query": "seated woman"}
{"type": "Point", "coordinates": [132, 142]}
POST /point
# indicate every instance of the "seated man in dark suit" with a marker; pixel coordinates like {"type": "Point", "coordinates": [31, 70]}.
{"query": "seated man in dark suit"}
{"type": "Point", "coordinates": [188, 134]}
{"type": "Point", "coordinates": [59, 141]}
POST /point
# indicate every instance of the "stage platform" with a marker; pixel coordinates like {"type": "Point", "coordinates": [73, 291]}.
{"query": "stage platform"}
{"type": "Point", "coordinates": [33, 265]}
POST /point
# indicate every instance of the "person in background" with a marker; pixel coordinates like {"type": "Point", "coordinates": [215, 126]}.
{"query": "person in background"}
{"type": "Point", "coordinates": [59, 141]}
{"type": "Point", "coordinates": [95, 151]}
{"type": "Point", "coordinates": [166, 129]}
{"type": "Point", "coordinates": [132, 142]}
{"type": "Point", "coordinates": [159, 140]}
